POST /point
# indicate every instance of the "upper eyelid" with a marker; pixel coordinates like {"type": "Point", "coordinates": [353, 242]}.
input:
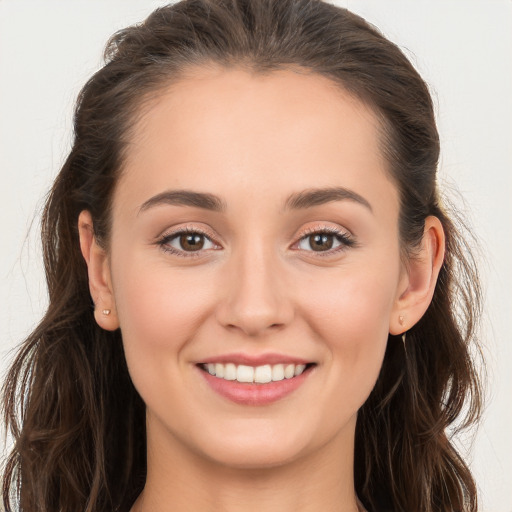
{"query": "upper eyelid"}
{"type": "Point", "coordinates": [171, 233]}
{"type": "Point", "coordinates": [344, 237]}
{"type": "Point", "coordinates": [325, 229]}
{"type": "Point", "coordinates": [334, 231]}
{"type": "Point", "coordinates": [308, 231]}
{"type": "Point", "coordinates": [163, 241]}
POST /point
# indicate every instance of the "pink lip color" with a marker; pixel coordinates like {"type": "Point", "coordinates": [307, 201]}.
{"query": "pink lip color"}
{"type": "Point", "coordinates": [254, 394]}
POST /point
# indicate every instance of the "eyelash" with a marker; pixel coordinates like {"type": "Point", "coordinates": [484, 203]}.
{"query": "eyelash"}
{"type": "Point", "coordinates": [164, 241]}
{"type": "Point", "coordinates": [346, 240]}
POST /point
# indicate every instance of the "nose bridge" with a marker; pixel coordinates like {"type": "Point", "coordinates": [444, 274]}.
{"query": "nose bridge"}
{"type": "Point", "coordinates": [256, 299]}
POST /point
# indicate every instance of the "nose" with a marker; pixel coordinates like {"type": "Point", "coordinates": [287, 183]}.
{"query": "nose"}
{"type": "Point", "coordinates": [255, 298]}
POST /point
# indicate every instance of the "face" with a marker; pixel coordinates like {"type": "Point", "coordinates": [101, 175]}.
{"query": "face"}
{"type": "Point", "coordinates": [254, 237]}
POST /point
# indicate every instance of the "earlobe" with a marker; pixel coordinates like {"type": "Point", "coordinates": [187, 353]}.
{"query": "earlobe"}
{"type": "Point", "coordinates": [98, 270]}
{"type": "Point", "coordinates": [423, 270]}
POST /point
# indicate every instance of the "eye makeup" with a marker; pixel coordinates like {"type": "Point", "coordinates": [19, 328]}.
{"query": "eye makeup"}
{"type": "Point", "coordinates": [190, 242]}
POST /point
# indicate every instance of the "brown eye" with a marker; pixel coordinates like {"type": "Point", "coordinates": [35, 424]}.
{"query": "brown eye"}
{"type": "Point", "coordinates": [191, 241]}
{"type": "Point", "coordinates": [325, 241]}
{"type": "Point", "coordinates": [321, 241]}
{"type": "Point", "coordinates": [187, 242]}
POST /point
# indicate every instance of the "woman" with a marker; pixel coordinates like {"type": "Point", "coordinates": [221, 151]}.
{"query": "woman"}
{"type": "Point", "coordinates": [257, 300]}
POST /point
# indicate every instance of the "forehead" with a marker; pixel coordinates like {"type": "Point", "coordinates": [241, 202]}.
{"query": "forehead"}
{"type": "Point", "coordinates": [217, 129]}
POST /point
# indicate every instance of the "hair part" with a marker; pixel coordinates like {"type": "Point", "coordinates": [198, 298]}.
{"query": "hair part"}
{"type": "Point", "coordinates": [78, 422]}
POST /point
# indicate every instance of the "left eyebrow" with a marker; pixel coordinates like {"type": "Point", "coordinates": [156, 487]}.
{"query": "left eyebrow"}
{"type": "Point", "coordinates": [317, 196]}
{"type": "Point", "coordinates": [185, 198]}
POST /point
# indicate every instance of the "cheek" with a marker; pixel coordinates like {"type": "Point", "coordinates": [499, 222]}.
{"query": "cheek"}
{"type": "Point", "coordinates": [353, 304]}
{"type": "Point", "coordinates": [352, 320]}
{"type": "Point", "coordinates": [159, 311]}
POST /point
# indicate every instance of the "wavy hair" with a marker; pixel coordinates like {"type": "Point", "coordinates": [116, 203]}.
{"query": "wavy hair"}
{"type": "Point", "coordinates": [77, 421]}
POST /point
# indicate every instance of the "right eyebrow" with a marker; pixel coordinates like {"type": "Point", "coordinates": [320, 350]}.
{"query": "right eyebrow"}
{"type": "Point", "coordinates": [317, 196]}
{"type": "Point", "coordinates": [185, 198]}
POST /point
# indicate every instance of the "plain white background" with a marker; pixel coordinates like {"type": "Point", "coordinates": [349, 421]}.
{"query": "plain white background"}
{"type": "Point", "coordinates": [462, 48]}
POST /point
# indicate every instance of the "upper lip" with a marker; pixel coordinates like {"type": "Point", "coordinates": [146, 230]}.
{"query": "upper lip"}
{"type": "Point", "coordinates": [255, 360]}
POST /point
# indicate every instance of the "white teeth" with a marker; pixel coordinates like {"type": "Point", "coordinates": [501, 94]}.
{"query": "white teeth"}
{"type": "Point", "coordinates": [263, 374]}
{"type": "Point", "coordinates": [278, 372]}
{"type": "Point", "coordinates": [299, 369]}
{"type": "Point", "coordinates": [219, 370]}
{"type": "Point", "coordinates": [245, 373]}
{"type": "Point", "coordinates": [289, 371]}
{"type": "Point", "coordinates": [230, 371]}
{"type": "Point", "coordinates": [259, 374]}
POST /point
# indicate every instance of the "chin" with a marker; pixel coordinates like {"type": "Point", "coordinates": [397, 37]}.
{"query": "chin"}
{"type": "Point", "coordinates": [263, 445]}
{"type": "Point", "coordinates": [255, 456]}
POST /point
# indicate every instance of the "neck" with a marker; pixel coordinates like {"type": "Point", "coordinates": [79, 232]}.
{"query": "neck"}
{"type": "Point", "coordinates": [179, 480]}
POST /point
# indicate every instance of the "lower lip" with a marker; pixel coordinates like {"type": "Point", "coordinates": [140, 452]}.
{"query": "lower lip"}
{"type": "Point", "coordinates": [255, 394]}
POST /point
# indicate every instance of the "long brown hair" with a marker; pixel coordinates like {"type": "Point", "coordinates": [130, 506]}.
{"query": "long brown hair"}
{"type": "Point", "coordinates": [76, 419]}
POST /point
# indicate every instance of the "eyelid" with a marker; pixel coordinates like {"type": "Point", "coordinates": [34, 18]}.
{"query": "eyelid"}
{"type": "Point", "coordinates": [325, 228]}
{"type": "Point", "coordinates": [168, 235]}
{"type": "Point", "coordinates": [188, 228]}
{"type": "Point", "coordinates": [345, 237]}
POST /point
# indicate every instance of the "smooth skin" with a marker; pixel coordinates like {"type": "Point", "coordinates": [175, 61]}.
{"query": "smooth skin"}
{"type": "Point", "coordinates": [259, 283]}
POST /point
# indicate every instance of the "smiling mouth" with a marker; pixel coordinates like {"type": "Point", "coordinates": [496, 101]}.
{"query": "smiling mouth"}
{"type": "Point", "coordinates": [255, 374]}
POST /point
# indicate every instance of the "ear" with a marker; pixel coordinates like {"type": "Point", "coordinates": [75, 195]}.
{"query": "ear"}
{"type": "Point", "coordinates": [98, 269]}
{"type": "Point", "coordinates": [419, 281]}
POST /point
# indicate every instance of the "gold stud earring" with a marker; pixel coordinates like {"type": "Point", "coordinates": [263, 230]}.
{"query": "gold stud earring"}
{"type": "Point", "coordinates": [401, 320]}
